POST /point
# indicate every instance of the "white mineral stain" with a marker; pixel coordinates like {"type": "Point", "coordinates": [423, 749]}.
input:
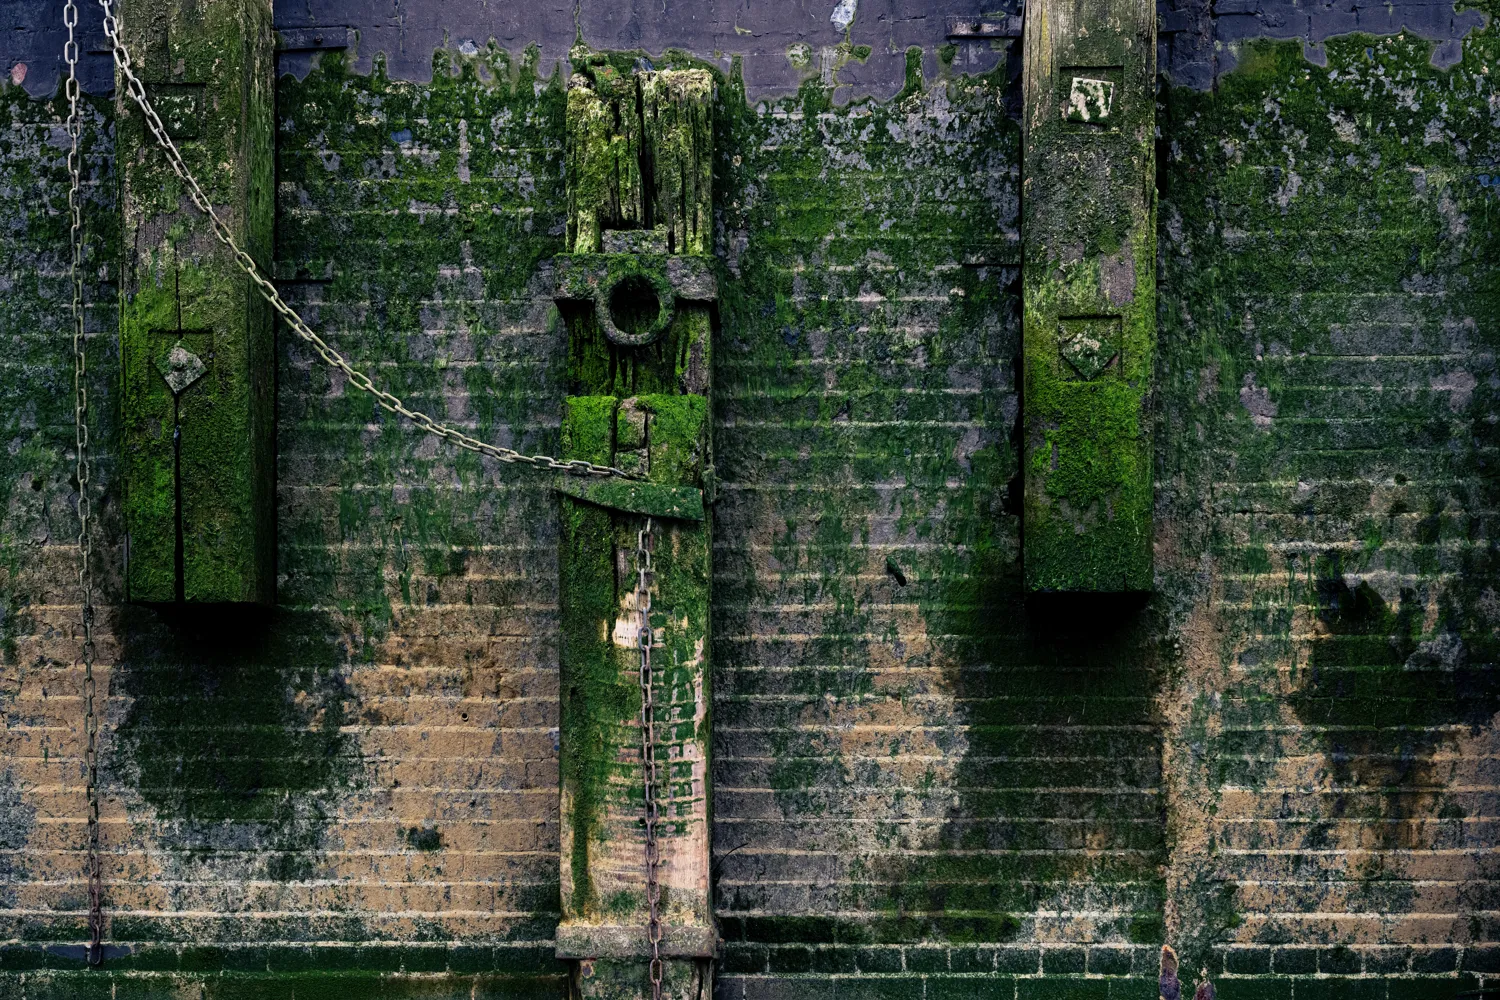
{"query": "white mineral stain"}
{"type": "Point", "coordinates": [1459, 384]}
{"type": "Point", "coordinates": [843, 14]}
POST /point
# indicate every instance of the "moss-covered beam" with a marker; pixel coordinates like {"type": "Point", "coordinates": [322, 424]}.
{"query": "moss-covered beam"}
{"type": "Point", "coordinates": [196, 341]}
{"type": "Point", "coordinates": [639, 158]}
{"type": "Point", "coordinates": [1089, 289]}
{"type": "Point", "coordinates": [639, 317]}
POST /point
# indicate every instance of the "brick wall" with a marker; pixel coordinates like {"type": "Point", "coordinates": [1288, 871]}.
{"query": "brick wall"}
{"type": "Point", "coordinates": [918, 788]}
{"type": "Point", "coordinates": [41, 801]}
{"type": "Point", "coordinates": [1330, 473]}
{"type": "Point", "coordinates": [925, 786]}
{"type": "Point", "coordinates": [364, 779]}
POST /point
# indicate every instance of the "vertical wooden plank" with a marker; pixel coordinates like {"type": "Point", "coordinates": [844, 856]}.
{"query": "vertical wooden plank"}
{"type": "Point", "coordinates": [589, 174]}
{"type": "Point", "coordinates": [641, 405]}
{"type": "Point", "coordinates": [1089, 288]}
{"type": "Point", "coordinates": [604, 150]}
{"type": "Point", "coordinates": [196, 341]}
{"type": "Point", "coordinates": [677, 109]}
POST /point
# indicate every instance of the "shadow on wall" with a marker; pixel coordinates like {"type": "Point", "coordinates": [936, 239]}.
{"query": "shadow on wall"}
{"type": "Point", "coordinates": [1385, 698]}
{"type": "Point", "coordinates": [1058, 691]}
{"type": "Point", "coordinates": [233, 731]}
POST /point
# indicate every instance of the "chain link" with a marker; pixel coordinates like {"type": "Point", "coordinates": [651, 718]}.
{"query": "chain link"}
{"type": "Point", "coordinates": [644, 638]}
{"type": "Point", "coordinates": [387, 401]}
{"type": "Point", "coordinates": [81, 474]}
{"type": "Point", "coordinates": [268, 292]}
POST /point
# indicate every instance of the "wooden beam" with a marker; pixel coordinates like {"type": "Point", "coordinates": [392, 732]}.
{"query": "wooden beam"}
{"type": "Point", "coordinates": [195, 339]}
{"type": "Point", "coordinates": [1089, 292]}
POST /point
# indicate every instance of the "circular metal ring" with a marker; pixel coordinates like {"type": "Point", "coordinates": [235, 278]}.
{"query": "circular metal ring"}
{"type": "Point", "coordinates": [666, 302]}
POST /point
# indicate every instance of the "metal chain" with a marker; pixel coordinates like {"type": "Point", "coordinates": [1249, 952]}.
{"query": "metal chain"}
{"type": "Point", "coordinates": [268, 292]}
{"type": "Point", "coordinates": [81, 474]}
{"type": "Point", "coordinates": [648, 752]}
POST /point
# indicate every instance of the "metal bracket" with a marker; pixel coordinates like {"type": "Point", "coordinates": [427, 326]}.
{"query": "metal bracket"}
{"type": "Point", "coordinates": [312, 39]}
{"type": "Point", "coordinates": [181, 368]}
{"type": "Point", "coordinates": [1168, 22]}
{"type": "Point", "coordinates": [969, 28]}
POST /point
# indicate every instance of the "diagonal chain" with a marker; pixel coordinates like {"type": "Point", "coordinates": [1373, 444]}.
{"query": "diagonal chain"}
{"type": "Point", "coordinates": [268, 292]}
{"type": "Point", "coordinates": [644, 640]}
{"type": "Point", "coordinates": [81, 474]}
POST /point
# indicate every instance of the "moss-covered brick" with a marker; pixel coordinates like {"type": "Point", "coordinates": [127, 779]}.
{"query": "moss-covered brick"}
{"type": "Point", "coordinates": [272, 986]}
{"type": "Point", "coordinates": [588, 430]}
{"type": "Point", "coordinates": [403, 682]}
{"type": "Point", "coordinates": [1089, 294]}
{"type": "Point", "coordinates": [1323, 314]}
{"type": "Point", "coordinates": [199, 465]}
{"type": "Point", "coordinates": [1277, 763]}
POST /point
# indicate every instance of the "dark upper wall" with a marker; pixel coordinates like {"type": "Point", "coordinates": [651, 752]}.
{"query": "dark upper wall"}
{"type": "Point", "coordinates": [760, 34]}
{"type": "Point", "coordinates": [1201, 40]}
{"type": "Point", "coordinates": [1198, 41]}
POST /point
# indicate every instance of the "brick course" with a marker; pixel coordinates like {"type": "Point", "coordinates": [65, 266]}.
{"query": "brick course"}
{"type": "Point", "coordinates": [1284, 764]}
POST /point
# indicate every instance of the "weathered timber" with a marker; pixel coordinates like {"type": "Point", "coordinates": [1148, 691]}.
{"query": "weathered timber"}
{"type": "Point", "coordinates": [639, 156]}
{"type": "Point", "coordinates": [1089, 293]}
{"type": "Point", "coordinates": [639, 318]}
{"type": "Point", "coordinates": [195, 339]}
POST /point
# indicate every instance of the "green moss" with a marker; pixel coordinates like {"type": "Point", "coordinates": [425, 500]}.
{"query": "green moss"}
{"type": "Point", "coordinates": [423, 838]}
{"type": "Point", "coordinates": [218, 497]}
{"type": "Point", "coordinates": [642, 409]}
{"type": "Point", "coordinates": [824, 396]}
{"type": "Point", "coordinates": [599, 366]}
{"type": "Point", "coordinates": [227, 746]}
{"type": "Point", "coordinates": [1089, 294]}
{"type": "Point", "coordinates": [237, 741]}
{"type": "Point", "coordinates": [810, 395]}
{"type": "Point", "coordinates": [1147, 928]}
{"type": "Point", "coordinates": [588, 428]}
{"type": "Point", "coordinates": [599, 699]}
{"type": "Point", "coordinates": [1302, 207]}
{"type": "Point", "coordinates": [679, 502]}
{"type": "Point", "coordinates": [677, 430]}
{"type": "Point", "coordinates": [596, 702]}
{"type": "Point", "coordinates": [624, 175]}
{"type": "Point", "coordinates": [913, 84]}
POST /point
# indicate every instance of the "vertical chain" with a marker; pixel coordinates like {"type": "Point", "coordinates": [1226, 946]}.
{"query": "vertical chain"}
{"type": "Point", "coordinates": [643, 573]}
{"type": "Point", "coordinates": [81, 474]}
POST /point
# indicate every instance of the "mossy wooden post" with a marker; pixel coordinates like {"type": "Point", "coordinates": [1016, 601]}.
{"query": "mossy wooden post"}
{"type": "Point", "coordinates": [637, 292]}
{"type": "Point", "coordinates": [195, 338]}
{"type": "Point", "coordinates": [1089, 291]}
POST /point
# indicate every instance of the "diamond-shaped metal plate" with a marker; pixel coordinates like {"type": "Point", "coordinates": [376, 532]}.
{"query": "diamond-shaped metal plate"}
{"type": "Point", "coordinates": [181, 368]}
{"type": "Point", "coordinates": [1089, 345]}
